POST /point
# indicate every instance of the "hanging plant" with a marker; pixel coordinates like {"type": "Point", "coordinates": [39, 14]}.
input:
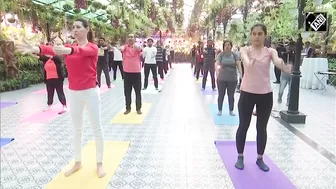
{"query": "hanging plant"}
{"type": "Point", "coordinates": [67, 7]}
{"type": "Point", "coordinates": [104, 7]}
{"type": "Point", "coordinates": [97, 5]}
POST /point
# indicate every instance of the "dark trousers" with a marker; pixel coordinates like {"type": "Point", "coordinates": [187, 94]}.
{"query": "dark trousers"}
{"type": "Point", "coordinates": [103, 67]}
{"type": "Point", "coordinates": [277, 73]}
{"type": "Point", "coordinates": [240, 80]}
{"type": "Point", "coordinates": [165, 67]}
{"type": "Point", "coordinates": [198, 69]}
{"type": "Point", "coordinates": [153, 68]}
{"type": "Point", "coordinates": [51, 85]}
{"type": "Point", "coordinates": [264, 104]}
{"type": "Point", "coordinates": [132, 81]}
{"type": "Point", "coordinates": [110, 65]}
{"type": "Point", "coordinates": [205, 76]}
{"type": "Point", "coordinates": [117, 64]}
{"type": "Point", "coordinates": [230, 87]}
{"type": "Point", "coordinates": [160, 69]}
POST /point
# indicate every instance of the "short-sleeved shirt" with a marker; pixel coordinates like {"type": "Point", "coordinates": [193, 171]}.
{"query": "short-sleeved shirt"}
{"type": "Point", "coordinates": [228, 66]}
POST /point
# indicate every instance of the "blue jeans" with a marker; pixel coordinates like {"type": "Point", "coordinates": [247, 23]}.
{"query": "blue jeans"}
{"type": "Point", "coordinates": [285, 80]}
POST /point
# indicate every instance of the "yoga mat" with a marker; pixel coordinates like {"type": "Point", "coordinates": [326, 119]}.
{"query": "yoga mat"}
{"type": "Point", "coordinates": [225, 118]}
{"type": "Point", "coordinates": [102, 89]}
{"type": "Point", "coordinates": [45, 116]}
{"type": "Point", "coordinates": [208, 91]}
{"type": "Point", "coordinates": [7, 104]}
{"type": "Point", "coordinates": [251, 177]}
{"type": "Point", "coordinates": [132, 117]}
{"type": "Point", "coordinates": [86, 177]}
{"type": "Point", "coordinates": [151, 90]}
{"type": "Point", "coordinates": [44, 91]}
{"type": "Point", "coordinates": [4, 141]}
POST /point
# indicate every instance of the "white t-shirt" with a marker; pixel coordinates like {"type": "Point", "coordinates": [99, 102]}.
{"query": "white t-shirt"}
{"type": "Point", "coordinates": [149, 54]}
{"type": "Point", "coordinates": [117, 54]}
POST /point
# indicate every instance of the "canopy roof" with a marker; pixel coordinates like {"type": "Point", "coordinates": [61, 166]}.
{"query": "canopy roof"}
{"type": "Point", "coordinates": [58, 5]}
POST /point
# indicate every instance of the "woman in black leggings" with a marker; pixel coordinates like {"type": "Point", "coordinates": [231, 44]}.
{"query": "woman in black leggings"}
{"type": "Point", "coordinates": [227, 63]}
{"type": "Point", "coordinates": [256, 90]}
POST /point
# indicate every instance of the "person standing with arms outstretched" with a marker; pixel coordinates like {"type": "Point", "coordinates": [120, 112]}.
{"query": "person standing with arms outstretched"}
{"type": "Point", "coordinates": [209, 65]}
{"type": "Point", "coordinates": [81, 62]}
{"type": "Point", "coordinates": [132, 73]}
{"type": "Point", "coordinates": [228, 64]}
{"type": "Point", "coordinates": [256, 90]}
{"type": "Point", "coordinates": [117, 62]}
{"type": "Point", "coordinates": [102, 65]}
{"type": "Point", "coordinates": [149, 54]}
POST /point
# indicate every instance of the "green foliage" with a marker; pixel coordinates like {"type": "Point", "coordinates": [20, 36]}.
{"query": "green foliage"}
{"type": "Point", "coordinates": [281, 23]}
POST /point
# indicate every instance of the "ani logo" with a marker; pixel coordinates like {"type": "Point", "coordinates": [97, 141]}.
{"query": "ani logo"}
{"type": "Point", "coordinates": [316, 21]}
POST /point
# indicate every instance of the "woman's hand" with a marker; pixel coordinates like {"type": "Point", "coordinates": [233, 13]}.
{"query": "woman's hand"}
{"type": "Point", "coordinates": [246, 56]}
{"type": "Point", "coordinates": [26, 48]}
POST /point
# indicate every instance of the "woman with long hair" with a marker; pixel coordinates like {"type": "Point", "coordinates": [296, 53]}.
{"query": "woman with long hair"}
{"type": "Point", "coordinates": [53, 78]}
{"type": "Point", "coordinates": [227, 65]}
{"type": "Point", "coordinates": [81, 62]}
{"type": "Point", "coordinates": [256, 90]}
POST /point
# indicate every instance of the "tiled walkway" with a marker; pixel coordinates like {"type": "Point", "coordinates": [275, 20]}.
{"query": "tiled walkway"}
{"type": "Point", "coordinates": [172, 148]}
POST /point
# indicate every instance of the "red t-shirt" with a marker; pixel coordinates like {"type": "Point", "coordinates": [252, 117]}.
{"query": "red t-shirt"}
{"type": "Point", "coordinates": [131, 60]}
{"type": "Point", "coordinates": [81, 65]}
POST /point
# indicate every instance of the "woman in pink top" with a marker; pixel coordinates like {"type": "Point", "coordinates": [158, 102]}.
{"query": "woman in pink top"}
{"type": "Point", "coordinates": [256, 91]}
{"type": "Point", "coordinates": [81, 62]}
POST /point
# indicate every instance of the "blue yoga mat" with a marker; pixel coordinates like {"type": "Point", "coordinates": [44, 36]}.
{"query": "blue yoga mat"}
{"type": "Point", "coordinates": [4, 141]}
{"type": "Point", "coordinates": [225, 118]}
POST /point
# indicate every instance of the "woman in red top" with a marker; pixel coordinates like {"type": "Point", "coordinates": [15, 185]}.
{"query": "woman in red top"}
{"type": "Point", "coordinates": [53, 78]}
{"type": "Point", "coordinates": [81, 62]}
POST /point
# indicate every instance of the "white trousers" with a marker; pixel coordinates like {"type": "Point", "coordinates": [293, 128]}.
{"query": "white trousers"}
{"type": "Point", "coordinates": [90, 99]}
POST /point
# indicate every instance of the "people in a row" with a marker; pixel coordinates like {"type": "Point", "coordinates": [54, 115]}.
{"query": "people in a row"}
{"type": "Point", "coordinates": [81, 61]}
{"type": "Point", "coordinates": [84, 59]}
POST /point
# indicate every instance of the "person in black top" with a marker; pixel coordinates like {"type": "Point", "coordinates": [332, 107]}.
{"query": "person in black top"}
{"type": "Point", "coordinates": [102, 64]}
{"type": "Point", "coordinates": [209, 64]}
{"type": "Point", "coordinates": [193, 57]}
{"type": "Point", "coordinates": [281, 50]}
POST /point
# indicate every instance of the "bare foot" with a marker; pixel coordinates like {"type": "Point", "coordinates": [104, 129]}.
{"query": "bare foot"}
{"type": "Point", "coordinates": [47, 109]}
{"type": "Point", "coordinates": [100, 171]}
{"type": "Point", "coordinates": [75, 168]}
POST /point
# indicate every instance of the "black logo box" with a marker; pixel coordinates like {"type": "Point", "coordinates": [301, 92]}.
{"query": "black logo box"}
{"type": "Point", "coordinates": [316, 21]}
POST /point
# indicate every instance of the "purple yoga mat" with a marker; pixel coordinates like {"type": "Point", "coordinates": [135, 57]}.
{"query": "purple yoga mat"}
{"type": "Point", "coordinates": [6, 104]}
{"type": "Point", "coordinates": [251, 177]}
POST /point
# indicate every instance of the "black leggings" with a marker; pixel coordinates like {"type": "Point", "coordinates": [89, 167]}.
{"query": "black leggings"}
{"type": "Point", "coordinates": [264, 104]}
{"type": "Point", "coordinates": [52, 85]}
{"type": "Point", "coordinates": [230, 87]}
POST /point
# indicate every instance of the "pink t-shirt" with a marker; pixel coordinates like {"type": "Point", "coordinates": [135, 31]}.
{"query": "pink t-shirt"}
{"type": "Point", "coordinates": [131, 60]}
{"type": "Point", "coordinates": [256, 77]}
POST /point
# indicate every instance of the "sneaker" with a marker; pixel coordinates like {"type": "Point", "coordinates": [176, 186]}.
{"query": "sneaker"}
{"type": "Point", "coordinates": [127, 112]}
{"type": "Point", "coordinates": [219, 113]}
{"type": "Point", "coordinates": [232, 113]}
{"type": "Point", "coordinates": [261, 164]}
{"type": "Point", "coordinates": [240, 163]}
{"type": "Point", "coordinates": [139, 112]}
